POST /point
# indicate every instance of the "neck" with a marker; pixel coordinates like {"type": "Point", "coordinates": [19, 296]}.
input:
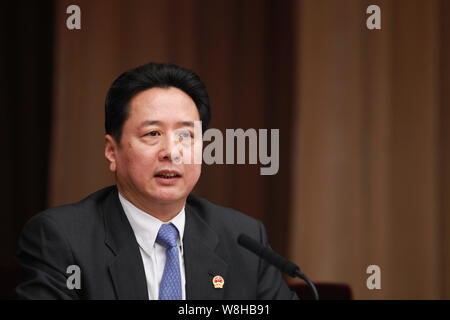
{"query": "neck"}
{"type": "Point", "coordinates": [164, 211]}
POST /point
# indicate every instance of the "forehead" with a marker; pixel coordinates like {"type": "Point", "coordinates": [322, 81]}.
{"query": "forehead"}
{"type": "Point", "coordinates": [163, 104]}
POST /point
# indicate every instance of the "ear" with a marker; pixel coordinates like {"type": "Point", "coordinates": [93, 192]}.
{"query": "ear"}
{"type": "Point", "coordinates": [110, 152]}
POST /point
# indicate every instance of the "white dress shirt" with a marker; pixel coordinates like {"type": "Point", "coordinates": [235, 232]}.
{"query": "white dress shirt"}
{"type": "Point", "coordinates": [145, 228]}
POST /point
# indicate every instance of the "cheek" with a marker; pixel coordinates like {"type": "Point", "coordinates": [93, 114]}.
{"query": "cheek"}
{"type": "Point", "coordinates": [192, 173]}
{"type": "Point", "coordinates": [137, 162]}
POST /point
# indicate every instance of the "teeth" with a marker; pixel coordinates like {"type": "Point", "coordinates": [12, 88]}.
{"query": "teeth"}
{"type": "Point", "coordinates": [167, 175]}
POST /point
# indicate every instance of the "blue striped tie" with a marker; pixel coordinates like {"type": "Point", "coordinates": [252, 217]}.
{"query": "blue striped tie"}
{"type": "Point", "coordinates": [170, 286]}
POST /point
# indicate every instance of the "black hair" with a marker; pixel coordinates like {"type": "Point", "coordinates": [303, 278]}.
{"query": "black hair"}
{"type": "Point", "coordinates": [152, 75]}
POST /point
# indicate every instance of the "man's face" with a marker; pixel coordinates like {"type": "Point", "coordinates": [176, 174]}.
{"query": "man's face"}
{"type": "Point", "coordinates": [159, 129]}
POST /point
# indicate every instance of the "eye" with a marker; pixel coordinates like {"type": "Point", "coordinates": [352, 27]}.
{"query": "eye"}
{"type": "Point", "coordinates": [185, 134]}
{"type": "Point", "coordinates": [153, 133]}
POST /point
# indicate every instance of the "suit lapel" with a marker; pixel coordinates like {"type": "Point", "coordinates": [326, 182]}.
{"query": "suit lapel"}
{"type": "Point", "coordinates": [127, 272]}
{"type": "Point", "coordinates": [200, 258]}
{"type": "Point", "coordinates": [126, 269]}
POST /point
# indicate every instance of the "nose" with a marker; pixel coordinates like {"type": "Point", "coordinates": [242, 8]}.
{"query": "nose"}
{"type": "Point", "coordinates": [169, 150]}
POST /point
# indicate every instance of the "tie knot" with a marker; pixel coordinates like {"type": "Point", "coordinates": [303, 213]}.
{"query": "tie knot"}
{"type": "Point", "coordinates": [167, 235]}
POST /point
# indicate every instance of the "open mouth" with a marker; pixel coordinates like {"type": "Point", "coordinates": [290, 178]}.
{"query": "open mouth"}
{"type": "Point", "coordinates": [168, 175]}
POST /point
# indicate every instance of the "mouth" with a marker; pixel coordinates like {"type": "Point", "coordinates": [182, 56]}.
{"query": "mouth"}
{"type": "Point", "coordinates": [168, 174]}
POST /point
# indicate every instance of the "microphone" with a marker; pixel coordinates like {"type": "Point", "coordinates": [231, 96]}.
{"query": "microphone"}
{"type": "Point", "coordinates": [275, 259]}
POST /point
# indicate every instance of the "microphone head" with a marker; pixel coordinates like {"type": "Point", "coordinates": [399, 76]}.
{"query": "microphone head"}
{"type": "Point", "coordinates": [275, 259]}
{"type": "Point", "coordinates": [248, 243]}
{"type": "Point", "coordinates": [269, 255]}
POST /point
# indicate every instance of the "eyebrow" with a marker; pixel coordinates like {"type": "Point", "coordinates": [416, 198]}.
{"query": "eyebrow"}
{"type": "Point", "coordinates": [157, 122]}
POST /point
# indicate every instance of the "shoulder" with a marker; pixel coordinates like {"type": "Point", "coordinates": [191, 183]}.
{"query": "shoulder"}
{"type": "Point", "coordinates": [72, 216]}
{"type": "Point", "coordinates": [224, 220]}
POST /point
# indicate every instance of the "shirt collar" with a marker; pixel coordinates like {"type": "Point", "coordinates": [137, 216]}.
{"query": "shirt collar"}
{"type": "Point", "coordinates": [146, 227]}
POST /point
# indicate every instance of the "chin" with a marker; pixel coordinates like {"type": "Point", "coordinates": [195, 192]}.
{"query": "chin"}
{"type": "Point", "coordinates": [169, 197]}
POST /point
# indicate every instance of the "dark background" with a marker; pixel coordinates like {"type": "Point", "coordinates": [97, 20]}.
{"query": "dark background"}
{"type": "Point", "coordinates": [363, 116]}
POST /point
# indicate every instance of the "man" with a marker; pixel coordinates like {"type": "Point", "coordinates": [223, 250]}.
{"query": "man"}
{"type": "Point", "coordinates": [147, 237]}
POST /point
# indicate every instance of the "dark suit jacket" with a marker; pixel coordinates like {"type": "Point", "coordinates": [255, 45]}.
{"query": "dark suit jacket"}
{"type": "Point", "coordinates": [95, 235]}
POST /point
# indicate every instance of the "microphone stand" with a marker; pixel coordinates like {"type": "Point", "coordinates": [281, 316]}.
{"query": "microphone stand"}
{"type": "Point", "coordinates": [311, 285]}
